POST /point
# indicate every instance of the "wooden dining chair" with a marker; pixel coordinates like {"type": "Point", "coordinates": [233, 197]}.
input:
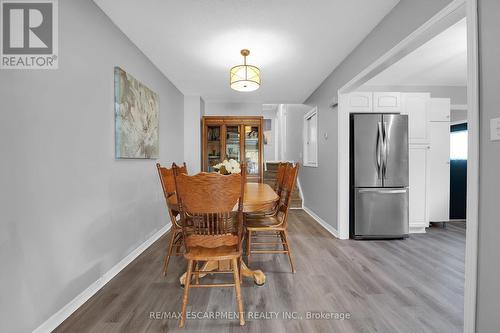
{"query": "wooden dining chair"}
{"type": "Point", "coordinates": [280, 177]}
{"type": "Point", "coordinates": [276, 225]}
{"type": "Point", "coordinates": [168, 184]}
{"type": "Point", "coordinates": [278, 188]}
{"type": "Point", "coordinates": [212, 229]}
{"type": "Point", "coordinates": [180, 169]}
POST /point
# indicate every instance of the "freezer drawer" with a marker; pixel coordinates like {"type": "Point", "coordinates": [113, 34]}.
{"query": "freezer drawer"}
{"type": "Point", "coordinates": [380, 213]}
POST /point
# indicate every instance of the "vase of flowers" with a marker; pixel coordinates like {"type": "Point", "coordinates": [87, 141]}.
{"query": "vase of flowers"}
{"type": "Point", "coordinates": [227, 167]}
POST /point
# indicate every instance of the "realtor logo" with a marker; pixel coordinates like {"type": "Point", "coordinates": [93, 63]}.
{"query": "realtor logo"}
{"type": "Point", "coordinates": [29, 34]}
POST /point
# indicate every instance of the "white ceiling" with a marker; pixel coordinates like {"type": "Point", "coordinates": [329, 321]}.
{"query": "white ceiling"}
{"type": "Point", "coordinates": [295, 43]}
{"type": "Point", "coordinates": [442, 61]}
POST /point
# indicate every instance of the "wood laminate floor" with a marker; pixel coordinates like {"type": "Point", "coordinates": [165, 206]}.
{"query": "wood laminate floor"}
{"type": "Point", "coordinates": [412, 285]}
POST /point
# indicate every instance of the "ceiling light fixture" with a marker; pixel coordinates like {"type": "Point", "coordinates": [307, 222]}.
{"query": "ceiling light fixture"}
{"type": "Point", "coordinates": [245, 77]}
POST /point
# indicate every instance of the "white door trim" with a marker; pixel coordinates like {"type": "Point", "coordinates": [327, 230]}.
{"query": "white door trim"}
{"type": "Point", "coordinates": [451, 13]}
{"type": "Point", "coordinates": [472, 169]}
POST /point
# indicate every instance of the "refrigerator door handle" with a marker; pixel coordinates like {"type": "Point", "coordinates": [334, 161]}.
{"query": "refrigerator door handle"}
{"type": "Point", "coordinates": [380, 144]}
{"type": "Point", "coordinates": [403, 190]}
{"type": "Point", "coordinates": [385, 149]}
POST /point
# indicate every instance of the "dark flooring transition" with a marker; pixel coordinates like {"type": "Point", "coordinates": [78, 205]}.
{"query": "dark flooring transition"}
{"type": "Point", "coordinates": [412, 285]}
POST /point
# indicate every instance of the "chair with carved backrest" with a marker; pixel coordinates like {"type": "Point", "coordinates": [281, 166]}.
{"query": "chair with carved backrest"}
{"type": "Point", "coordinates": [212, 229]}
{"type": "Point", "coordinates": [180, 169]}
{"type": "Point", "coordinates": [280, 177]}
{"type": "Point", "coordinates": [168, 184]}
{"type": "Point", "coordinates": [278, 188]}
{"type": "Point", "coordinates": [275, 224]}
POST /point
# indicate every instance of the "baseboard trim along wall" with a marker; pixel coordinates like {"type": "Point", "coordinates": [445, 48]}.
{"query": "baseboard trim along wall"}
{"type": "Point", "coordinates": [322, 222]}
{"type": "Point", "coordinates": [416, 229]}
{"type": "Point", "coordinates": [53, 322]}
{"type": "Point", "coordinates": [300, 192]}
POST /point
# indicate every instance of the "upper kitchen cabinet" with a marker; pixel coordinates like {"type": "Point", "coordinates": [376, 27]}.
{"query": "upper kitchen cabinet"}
{"type": "Point", "coordinates": [378, 102]}
{"type": "Point", "coordinates": [387, 102]}
{"type": "Point", "coordinates": [439, 109]}
{"type": "Point", "coordinates": [360, 102]}
{"type": "Point", "coordinates": [415, 106]}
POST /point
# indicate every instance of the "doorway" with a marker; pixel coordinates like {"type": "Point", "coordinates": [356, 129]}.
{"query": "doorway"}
{"type": "Point", "coordinates": [458, 172]}
{"type": "Point", "coordinates": [455, 11]}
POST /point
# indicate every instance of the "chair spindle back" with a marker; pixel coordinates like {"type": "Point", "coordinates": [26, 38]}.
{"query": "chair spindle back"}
{"type": "Point", "coordinates": [289, 182]}
{"type": "Point", "coordinates": [206, 202]}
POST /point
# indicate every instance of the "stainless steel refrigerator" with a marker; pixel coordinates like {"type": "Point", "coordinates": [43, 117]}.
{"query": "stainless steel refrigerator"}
{"type": "Point", "coordinates": [379, 176]}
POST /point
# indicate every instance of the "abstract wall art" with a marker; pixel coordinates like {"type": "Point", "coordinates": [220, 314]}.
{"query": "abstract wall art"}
{"type": "Point", "coordinates": [136, 118]}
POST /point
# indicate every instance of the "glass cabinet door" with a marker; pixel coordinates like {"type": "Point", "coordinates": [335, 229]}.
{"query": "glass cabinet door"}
{"type": "Point", "coordinates": [213, 146]}
{"type": "Point", "coordinates": [233, 143]}
{"type": "Point", "coordinates": [252, 150]}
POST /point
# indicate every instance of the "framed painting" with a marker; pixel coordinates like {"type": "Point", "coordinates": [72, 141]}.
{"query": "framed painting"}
{"type": "Point", "coordinates": [136, 118]}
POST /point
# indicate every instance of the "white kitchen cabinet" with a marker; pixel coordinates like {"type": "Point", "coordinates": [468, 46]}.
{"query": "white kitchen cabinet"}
{"type": "Point", "coordinates": [387, 102]}
{"type": "Point", "coordinates": [439, 171]}
{"type": "Point", "coordinates": [360, 102]}
{"type": "Point", "coordinates": [438, 109]}
{"type": "Point", "coordinates": [415, 106]}
{"type": "Point", "coordinates": [418, 183]}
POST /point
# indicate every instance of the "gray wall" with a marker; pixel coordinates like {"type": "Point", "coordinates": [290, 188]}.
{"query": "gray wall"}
{"type": "Point", "coordinates": [458, 116]}
{"type": "Point", "coordinates": [320, 184]}
{"type": "Point", "coordinates": [244, 109]}
{"type": "Point", "coordinates": [294, 123]}
{"type": "Point", "coordinates": [488, 300]}
{"type": "Point", "coordinates": [232, 109]}
{"type": "Point", "coordinates": [194, 109]}
{"type": "Point", "coordinates": [270, 147]}
{"type": "Point", "coordinates": [70, 211]}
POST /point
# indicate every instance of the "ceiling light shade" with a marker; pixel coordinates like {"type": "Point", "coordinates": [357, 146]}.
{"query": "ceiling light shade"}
{"type": "Point", "coordinates": [245, 77]}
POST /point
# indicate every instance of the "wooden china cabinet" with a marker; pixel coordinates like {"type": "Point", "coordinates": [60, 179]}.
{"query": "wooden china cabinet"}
{"type": "Point", "coordinates": [238, 138]}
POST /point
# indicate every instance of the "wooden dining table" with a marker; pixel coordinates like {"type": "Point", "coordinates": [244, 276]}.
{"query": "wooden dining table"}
{"type": "Point", "coordinates": [258, 197]}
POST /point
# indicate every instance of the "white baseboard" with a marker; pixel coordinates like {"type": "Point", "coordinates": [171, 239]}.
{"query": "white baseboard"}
{"type": "Point", "coordinates": [322, 222]}
{"type": "Point", "coordinates": [300, 192]}
{"type": "Point", "coordinates": [56, 319]}
{"type": "Point", "coordinates": [417, 230]}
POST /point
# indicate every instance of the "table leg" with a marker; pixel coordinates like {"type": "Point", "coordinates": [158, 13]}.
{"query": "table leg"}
{"type": "Point", "coordinates": [257, 275]}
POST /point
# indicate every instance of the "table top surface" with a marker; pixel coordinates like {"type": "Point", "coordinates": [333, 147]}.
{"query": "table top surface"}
{"type": "Point", "coordinates": [256, 197]}
{"type": "Point", "coordinates": [259, 193]}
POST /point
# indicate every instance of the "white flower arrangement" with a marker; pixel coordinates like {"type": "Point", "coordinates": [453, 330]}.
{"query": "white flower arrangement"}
{"type": "Point", "coordinates": [228, 167]}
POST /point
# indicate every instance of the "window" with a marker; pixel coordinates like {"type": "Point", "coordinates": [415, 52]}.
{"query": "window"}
{"type": "Point", "coordinates": [458, 145]}
{"type": "Point", "coordinates": [310, 139]}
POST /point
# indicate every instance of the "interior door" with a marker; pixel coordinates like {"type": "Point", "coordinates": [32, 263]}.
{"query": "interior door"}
{"type": "Point", "coordinates": [395, 169]}
{"type": "Point", "coordinates": [366, 146]}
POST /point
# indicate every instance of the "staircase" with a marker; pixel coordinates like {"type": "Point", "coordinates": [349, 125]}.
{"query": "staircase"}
{"type": "Point", "coordinates": [270, 179]}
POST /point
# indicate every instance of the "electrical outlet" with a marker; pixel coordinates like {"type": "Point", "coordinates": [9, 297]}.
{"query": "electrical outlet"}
{"type": "Point", "coordinates": [495, 129]}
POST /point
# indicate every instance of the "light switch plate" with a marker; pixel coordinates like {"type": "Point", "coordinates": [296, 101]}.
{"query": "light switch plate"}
{"type": "Point", "coordinates": [495, 129]}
